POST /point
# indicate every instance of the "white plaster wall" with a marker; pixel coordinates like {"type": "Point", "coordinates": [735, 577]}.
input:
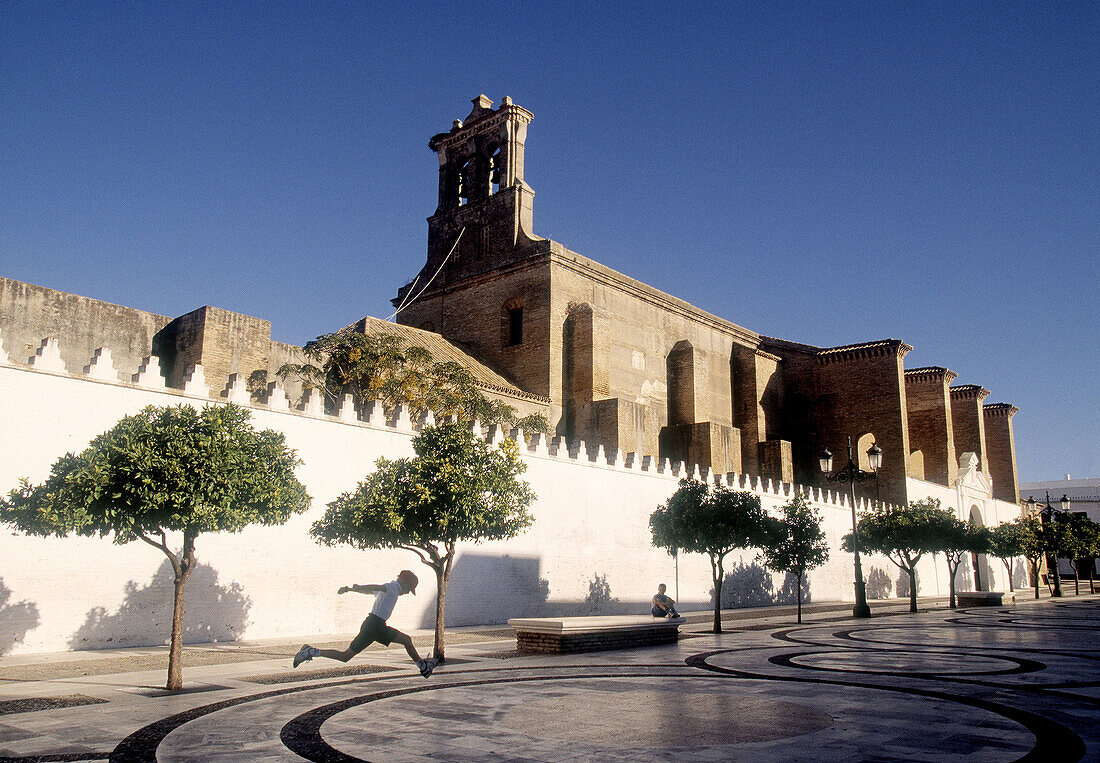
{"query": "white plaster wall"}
{"type": "Point", "coordinates": [591, 523]}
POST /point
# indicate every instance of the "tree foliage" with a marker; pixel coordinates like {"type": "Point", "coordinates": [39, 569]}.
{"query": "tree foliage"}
{"type": "Point", "coordinates": [1034, 544]}
{"type": "Point", "coordinates": [903, 534]}
{"type": "Point", "coordinates": [712, 521]}
{"type": "Point", "coordinates": [456, 488]}
{"type": "Point", "coordinates": [796, 542]}
{"type": "Point", "coordinates": [1076, 538]}
{"type": "Point", "coordinates": [382, 366]}
{"type": "Point", "coordinates": [165, 469]}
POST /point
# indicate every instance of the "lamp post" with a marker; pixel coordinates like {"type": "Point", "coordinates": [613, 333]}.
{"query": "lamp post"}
{"type": "Point", "coordinates": [851, 473]}
{"type": "Point", "coordinates": [1048, 516]}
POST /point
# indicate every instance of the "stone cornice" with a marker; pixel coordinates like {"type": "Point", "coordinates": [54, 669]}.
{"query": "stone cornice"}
{"type": "Point", "coordinates": [929, 374]}
{"type": "Point", "coordinates": [968, 391]}
{"type": "Point", "coordinates": [529, 261]}
{"type": "Point", "coordinates": [480, 125]}
{"type": "Point", "coordinates": [786, 344]}
{"type": "Point", "coordinates": [769, 355]}
{"type": "Point", "coordinates": [877, 349]}
{"type": "Point", "coordinates": [592, 270]}
{"type": "Point", "coordinates": [1000, 409]}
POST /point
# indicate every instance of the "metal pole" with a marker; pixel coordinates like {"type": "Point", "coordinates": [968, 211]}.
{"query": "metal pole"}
{"type": "Point", "coordinates": [861, 609]}
{"type": "Point", "coordinates": [1053, 555]}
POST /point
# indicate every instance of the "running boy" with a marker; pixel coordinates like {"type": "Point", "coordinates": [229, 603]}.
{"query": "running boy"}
{"type": "Point", "coordinates": [374, 627]}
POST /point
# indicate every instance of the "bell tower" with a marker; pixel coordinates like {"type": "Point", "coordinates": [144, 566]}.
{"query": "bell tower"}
{"type": "Point", "coordinates": [484, 210]}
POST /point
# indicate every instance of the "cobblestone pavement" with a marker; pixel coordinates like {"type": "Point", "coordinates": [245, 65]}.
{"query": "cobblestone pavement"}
{"type": "Point", "coordinates": [993, 683]}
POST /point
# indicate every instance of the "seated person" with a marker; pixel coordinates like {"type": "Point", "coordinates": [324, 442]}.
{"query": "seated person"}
{"type": "Point", "coordinates": [663, 606]}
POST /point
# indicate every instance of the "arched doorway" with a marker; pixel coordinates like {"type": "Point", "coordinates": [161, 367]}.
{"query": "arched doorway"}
{"type": "Point", "coordinates": [979, 562]}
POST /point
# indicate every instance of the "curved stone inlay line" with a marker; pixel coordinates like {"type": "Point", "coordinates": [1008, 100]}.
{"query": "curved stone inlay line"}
{"type": "Point", "coordinates": [1053, 741]}
{"type": "Point", "coordinates": [922, 664]}
{"type": "Point", "coordinates": [142, 744]}
{"type": "Point", "coordinates": [302, 735]}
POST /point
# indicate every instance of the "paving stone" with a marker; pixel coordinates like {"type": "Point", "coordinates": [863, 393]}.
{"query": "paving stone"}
{"type": "Point", "coordinates": [938, 686]}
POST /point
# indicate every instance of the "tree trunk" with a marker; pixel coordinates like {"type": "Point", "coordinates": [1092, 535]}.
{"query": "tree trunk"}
{"type": "Point", "coordinates": [182, 569]}
{"type": "Point", "coordinates": [912, 588]}
{"type": "Point", "coordinates": [1035, 572]}
{"type": "Point", "coordinates": [951, 570]}
{"type": "Point", "coordinates": [799, 583]}
{"type": "Point", "coordinates": [716, 573]}
{"type": "Point", "coordinates": [1076, 579]}
{"type": "Point", "coordinates": [442, 575]}
{"type": "Point", "coordinates": [1008, 566]}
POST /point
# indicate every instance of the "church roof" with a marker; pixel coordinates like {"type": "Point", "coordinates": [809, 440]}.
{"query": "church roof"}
{"type": "Point", "coordinates": [446, 350]}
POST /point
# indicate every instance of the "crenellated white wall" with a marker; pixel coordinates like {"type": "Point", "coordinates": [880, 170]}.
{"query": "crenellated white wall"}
{"type": "Point", "coordinates": [591, 528]}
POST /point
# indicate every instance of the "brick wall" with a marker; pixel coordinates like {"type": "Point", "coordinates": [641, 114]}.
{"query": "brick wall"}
{"type": "Point", "coordinates": [968, 422]}
{"type": "Point", "coordinates": [928, 405]}
{"type": "Point", "coordinates": [469, 314]}
{"type": "Point", "coordinates": [855, 391]}
{"type": "Point", "coordinates": [1001, 450]}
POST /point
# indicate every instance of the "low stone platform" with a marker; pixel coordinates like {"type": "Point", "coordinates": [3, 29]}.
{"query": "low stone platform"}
{"type": "Point", "coordinates": [568, 635]}
{"type": "Point", "coordinates": [984, 598]}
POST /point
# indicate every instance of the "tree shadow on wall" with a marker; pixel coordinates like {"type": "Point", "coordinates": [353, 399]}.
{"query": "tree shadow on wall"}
{"type": "Point", "coordinates": [902, 586]}
{"type": "Point", "coordinates": [752, 585]}
{"type": "Point", "coordinates": [964, 581]}
{"type": "Point", "coordinates": [788, 592]}
{"type": "Point", "coordinates": [599, 599]}
{"type": "Point", "coordinates": [878, 584]}
{"type": "Point", "coordinates": [212, 612]}
{"type": "Point", "coordinates": [16, 619]}
{"type": "Point", "coordinates": [487, 588]}
{"type": "Point", "coordinates": [747, 585]}
{"type": "Point", "coordinates": [1019, 574]}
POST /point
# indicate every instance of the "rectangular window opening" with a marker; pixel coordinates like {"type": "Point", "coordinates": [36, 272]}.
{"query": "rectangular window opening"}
{"type": "Point", "coordinates": [515, 326]}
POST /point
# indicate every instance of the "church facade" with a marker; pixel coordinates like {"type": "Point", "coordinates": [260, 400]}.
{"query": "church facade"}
{"type": "Point", "coordinates": [631, 368]}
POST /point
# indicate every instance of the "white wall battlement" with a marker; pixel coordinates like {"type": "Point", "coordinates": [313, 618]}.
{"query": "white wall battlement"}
{"type": "Point", "coordinates": [591, 524]}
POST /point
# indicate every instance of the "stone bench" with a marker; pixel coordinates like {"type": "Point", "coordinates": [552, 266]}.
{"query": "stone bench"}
{"type": "Point", "coordinates": [983, 598]}
{"type": "Point", "coordinates": [564, 635]}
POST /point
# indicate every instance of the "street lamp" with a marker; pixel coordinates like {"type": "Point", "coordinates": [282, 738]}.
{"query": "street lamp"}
{"type": "Point", "coordinates": [851, 473]}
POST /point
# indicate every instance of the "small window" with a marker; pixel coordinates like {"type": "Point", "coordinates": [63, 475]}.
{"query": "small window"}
{"type": "Point", "coordinates": [515, 326]}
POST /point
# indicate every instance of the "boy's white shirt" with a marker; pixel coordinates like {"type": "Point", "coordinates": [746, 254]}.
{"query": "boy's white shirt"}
{"type": "Point", "coordinates": [386, 600]}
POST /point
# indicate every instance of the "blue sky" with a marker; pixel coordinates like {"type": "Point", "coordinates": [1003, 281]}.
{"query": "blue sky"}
{"type": "Point", "coordinates": [826, 173]}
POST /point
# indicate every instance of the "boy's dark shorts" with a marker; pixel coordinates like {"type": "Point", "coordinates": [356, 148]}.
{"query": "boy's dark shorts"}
{"type": "Point", "coordinates": [374, 628]}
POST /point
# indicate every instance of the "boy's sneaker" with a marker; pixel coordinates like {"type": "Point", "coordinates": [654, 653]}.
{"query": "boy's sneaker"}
{"type": "Point", "coordinates": [427, 666]}
{"type": "Point", "coordinates": [305, 654]}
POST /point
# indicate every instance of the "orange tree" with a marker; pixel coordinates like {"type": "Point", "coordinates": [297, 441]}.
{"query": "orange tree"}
{"type": "Point", "coordinates": [903, 534]}
{"type": "Point", "coordinates": [456, 488]}
{"type": "Point", "coordinates": [164, 470]}
{"type": "Point", "coordinates": [796, 543]}
{"type": "Point", "coordinates": [712, 521]}
{"type": "Point", "coordinates": [957, 539]}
